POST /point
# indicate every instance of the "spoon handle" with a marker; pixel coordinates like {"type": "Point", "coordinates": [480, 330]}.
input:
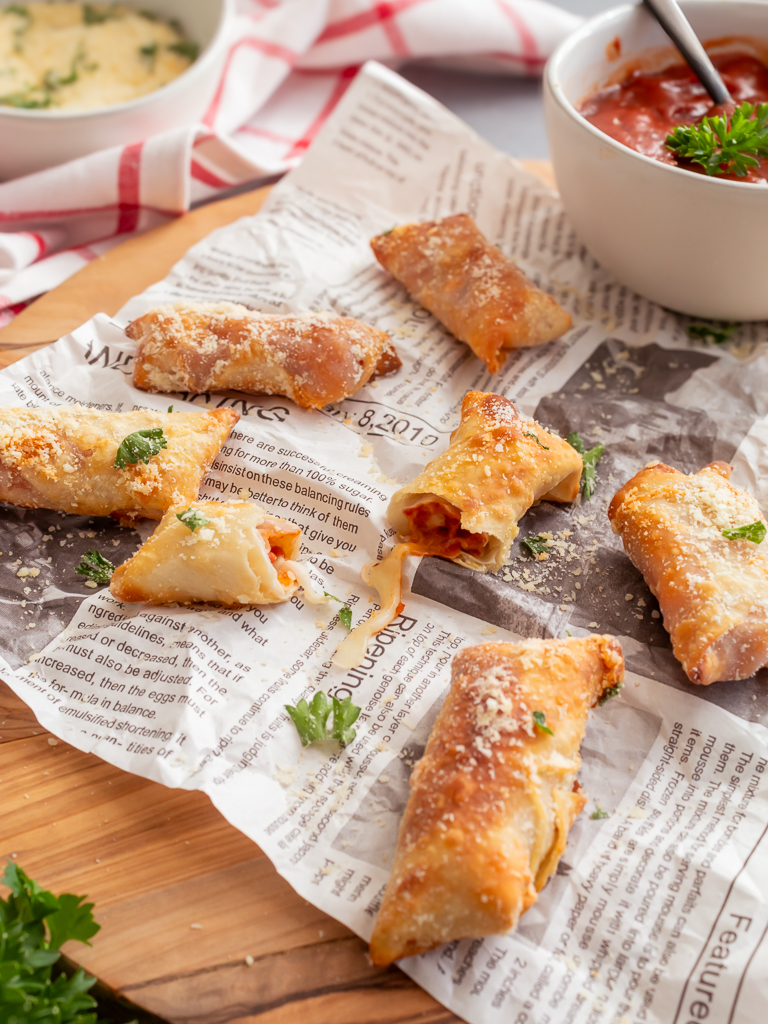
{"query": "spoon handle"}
{"type": "Point", "coordinates": [678, 28]}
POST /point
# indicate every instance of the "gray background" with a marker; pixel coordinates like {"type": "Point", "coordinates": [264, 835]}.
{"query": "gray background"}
{"type": "Point", "coordinates": [505, 110]}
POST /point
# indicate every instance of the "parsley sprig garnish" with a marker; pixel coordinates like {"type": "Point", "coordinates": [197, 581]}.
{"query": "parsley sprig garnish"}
{"type": "Point", "coordinates": [345, 613]}
{"type": "Point", "coordinates": [751, 531]}
{"type": "Point", "coordinates": [96, 567]}
{"type": "Point", "coordinates": [723, 146]}
{"type": "Point", "coordinates": [540, 722]}
{"type": "Point", "coordinates": [590, 459]}
{"type": "Point", "coordinates": [192, 518]}
{"type": "Point", "coordinates": [599, 814]}
{"type": "Point", "coordinates": [311, 720]}
{"type": "Point", "coordinates": [140, 447]}
{"type": "Point", "coordinates": [34, 924]}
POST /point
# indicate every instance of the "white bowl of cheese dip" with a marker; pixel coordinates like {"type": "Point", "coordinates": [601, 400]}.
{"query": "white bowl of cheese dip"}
{"type": "Point", "coordinates": [37, 138]}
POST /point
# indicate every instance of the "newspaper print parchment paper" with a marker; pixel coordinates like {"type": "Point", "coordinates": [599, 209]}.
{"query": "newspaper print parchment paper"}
{"type": "Point", "coordinates": [658, 910]}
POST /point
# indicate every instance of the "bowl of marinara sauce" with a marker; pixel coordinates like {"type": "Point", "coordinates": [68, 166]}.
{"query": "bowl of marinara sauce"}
{"type": "Point", "coordinates": [614, 91]}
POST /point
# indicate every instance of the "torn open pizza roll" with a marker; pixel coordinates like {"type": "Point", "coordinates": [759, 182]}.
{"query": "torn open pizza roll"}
{"type": "Point", "coordinates": [69, 458]}
{"type": "Point", "coordinates": [495, 794]}
{"type": "Point", "coordinates": [472, 288]}
{"type": "Point", "coordinates": [466, 503]}
{"type": "Point", "coordinates": [311, 358]}
{"type": "Point", "coordinates": [689, 537]}
{"type": "Point", "coordinates": [230, 553]}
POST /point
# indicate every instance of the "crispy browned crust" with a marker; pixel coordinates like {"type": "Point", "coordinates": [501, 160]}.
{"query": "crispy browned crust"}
{"type": "Point", "coordinates": [313, 359]}
{"type": "Point", "coordinates": [495, 467]}
{"type": "Point", "coordinates": [713, 592]}
{"type": "Point", "coordinates": [63, 458]}
{"type": "Point", "coordinates": [493, 798]}
{"type": "Point", "coordinates": [480, 295]}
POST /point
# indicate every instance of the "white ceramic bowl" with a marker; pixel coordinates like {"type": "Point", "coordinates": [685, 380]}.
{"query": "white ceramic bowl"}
{"type": "Point", "coordinates": [695, 244]}
{"type": "Point", "coordinates": [31, 140]}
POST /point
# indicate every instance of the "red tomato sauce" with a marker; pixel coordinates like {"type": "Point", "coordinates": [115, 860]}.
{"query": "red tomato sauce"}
{"type": "Point", "coordinates": [643, 109]}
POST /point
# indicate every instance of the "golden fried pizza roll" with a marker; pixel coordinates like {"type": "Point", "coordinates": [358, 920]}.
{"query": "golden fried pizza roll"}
{"type": "Point", "coordinates": [466, 503]}
{"type": "Point", "coordinates": [229, 553]}
{"type": "Point", "coordinates": [480, 295]}
{"type": "Point", "coordinates": [313, 359]}
{"type": "Point", "coordinates": [495, 794]}
{"type": "Point", "coordinates": [122, 464]}
{"type": "Point", "coordinates": [690, 538]}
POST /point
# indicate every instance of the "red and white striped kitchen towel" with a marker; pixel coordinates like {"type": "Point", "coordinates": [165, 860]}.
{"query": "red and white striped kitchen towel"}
{"type": "Point", "coordinates": [289, 63]}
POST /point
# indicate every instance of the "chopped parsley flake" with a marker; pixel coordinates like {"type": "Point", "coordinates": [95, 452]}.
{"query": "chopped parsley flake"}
{"type": "Point", "coordinates": [192, 519]}
{"type": "Point", "coordinates": [345, 614]}
{"type": "Point", "coordinates": [590, 459]}
{"type": "Point", "coordinates": [96, 567]}
{"type": "Point", "coordinates": [185, 48]}
{"type": "Point", "coordinates": [535, 544]}
{"type": "Point", "coordinates": [751, 531]}
{"type": "Point", "coordinates": [540, 722]}
{"type": "Point", "coordinates": [140, 447]}
{"type": "Point", "coordinates": [529, 433]}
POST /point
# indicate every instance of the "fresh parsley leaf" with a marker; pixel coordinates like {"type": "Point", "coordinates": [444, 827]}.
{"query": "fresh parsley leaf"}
{"type": "Point", "coordinates": [170, 408]}
{"type": "Point", "coordinates": [96, 567]}
{"type": "Point", "coordinates": [724, 146]}
{"type": "Point", "coordinates": [710, 332]}
{"type": "Point", "coordinates": [540, 722]}
{"type": "Point", "coordinates": [751, 531]}
{"type": "Point", "coordinates": [529, 433]}
{"type": "Point", "coordinates": [345, 714]}
{"type": "Point", "coordinates": [26, 100]}
{"type": "Point", "coordinates": [140, 447]}
{"type": "Point", "coordinates": [149, 15]}
{"type": "Point", "coordinates": [612, 691]}
{"type": "Point", "coordinates": [389, 232]}
{"type": "Point", "coordinates": [92, 16]}
{"type": "Point", "coordinates": [185, 48]}
{"type": "Point", "coordinates": [311, 720]}
{"type": "Point", "coordinates": [535, 544]}
{"type": "Point", "coordinates": [599, 814]}
{"type": "Point", "coordinates": [590, 459]}
{"type": "Point", "coordinates": [192, 518]}
{"type": "Point", "coordinates": [16, 9]}
{"type": "Point", "coordinates": [345, 615]}
{"type": "Point", "coordinates": [34, 924]}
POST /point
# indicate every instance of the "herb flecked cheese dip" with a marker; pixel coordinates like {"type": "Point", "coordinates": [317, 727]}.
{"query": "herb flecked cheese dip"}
{"type": "Point", "coordinates": [73, 56]}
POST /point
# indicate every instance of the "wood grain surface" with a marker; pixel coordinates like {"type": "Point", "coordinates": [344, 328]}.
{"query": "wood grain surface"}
{"type": "Point", "coordinates": [197, 926]}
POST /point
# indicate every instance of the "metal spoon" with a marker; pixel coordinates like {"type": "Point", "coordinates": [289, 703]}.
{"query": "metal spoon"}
{"type": "Point", "coordinates": [678, 28]}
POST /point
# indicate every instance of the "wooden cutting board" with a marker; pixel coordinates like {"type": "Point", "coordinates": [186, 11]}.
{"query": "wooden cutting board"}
{"type": "Point", "coordinates": [196, 923]}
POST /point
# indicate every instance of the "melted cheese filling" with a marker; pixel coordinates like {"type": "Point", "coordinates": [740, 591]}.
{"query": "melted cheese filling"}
{"type": "Point", "coordinates": [386, 578]}
{"type": "Point", "coordinates": [76, 56]}
{"type": "Point", "coordinates": [436, 526]}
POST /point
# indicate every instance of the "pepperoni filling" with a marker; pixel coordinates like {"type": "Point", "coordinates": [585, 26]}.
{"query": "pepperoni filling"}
{"type": "Point", "coordinates": [436, 525]}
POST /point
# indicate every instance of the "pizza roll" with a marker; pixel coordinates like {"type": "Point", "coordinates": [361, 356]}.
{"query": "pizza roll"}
{"type": "Point", "coordinates": [480, 295]}
{"type": "Point", "coordinates": [229, 553]}
{"type": "Point", "coordinates": [64, 458]}
{"type": "Point", "coordinates": [712, 591]}
{"type": "Point", "coordinates": [313, 359]}
{"type": "Point", "coordinates": [466, 503]}
{"type": "Point", "coordinates": [495, 794]}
